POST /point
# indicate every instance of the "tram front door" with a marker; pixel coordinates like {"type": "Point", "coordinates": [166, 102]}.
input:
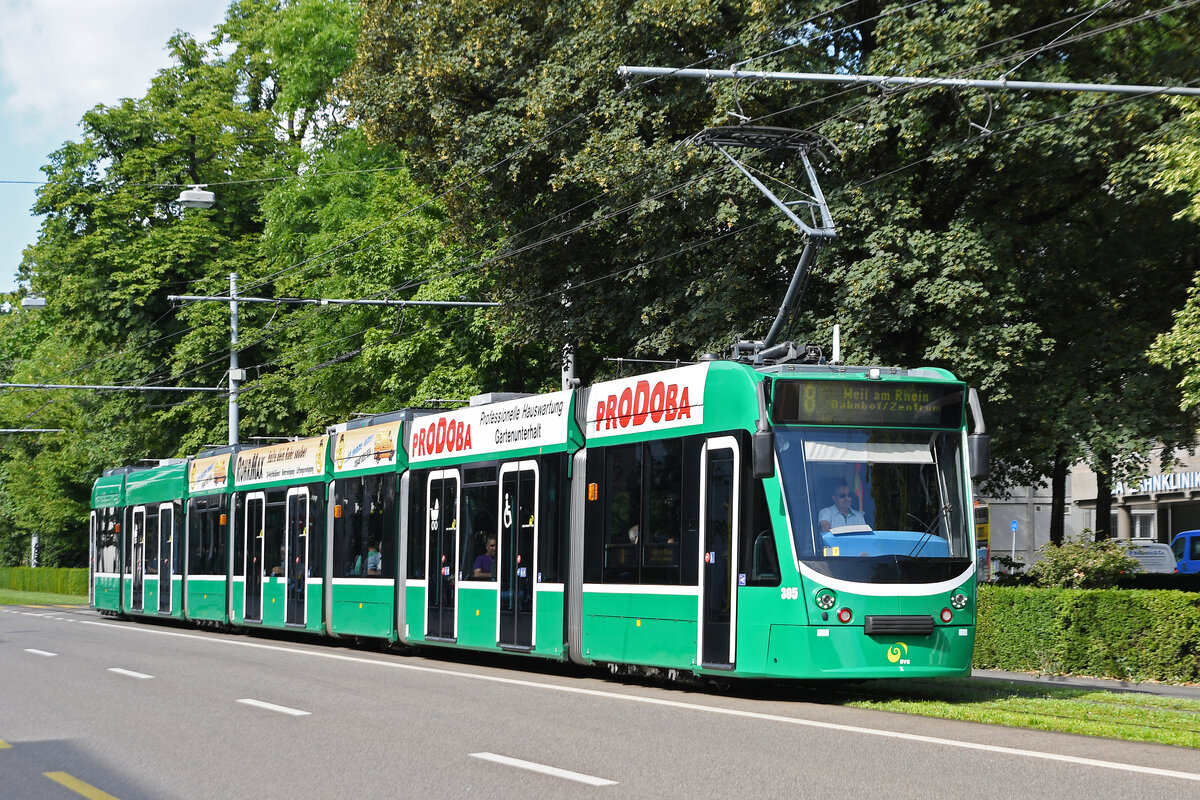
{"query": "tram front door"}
{"type": "Point", "coordinates": [441, 511]}
{"type": "Point", "coordinates": [719, 503]}
{"type": "Point", "coordinates": [517, 554]}
{"type": "Point", "coordinates": [254, 526]}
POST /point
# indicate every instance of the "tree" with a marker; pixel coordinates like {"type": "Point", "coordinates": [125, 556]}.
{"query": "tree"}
{"type": "Point", "coordinates": [112, 247]}
{"type": "Point", "coordinates": [1176, 155]}
{"type": "Point", "coordinates": [304, 208]}
{"type": "Point", "coordinates": [1036, 261]}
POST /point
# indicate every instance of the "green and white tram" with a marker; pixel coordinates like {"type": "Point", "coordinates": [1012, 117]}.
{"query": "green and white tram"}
{"type": "Point", "coordinates": [709, 537]}
{"type": "Point", "coordinates": [486, 530]}
{"type": "Point", "coordinates": [152, 540]}
{"type": "Point", "coordinates": [207, 586]}
{"type": "Point", "coordinates": [108, 511]}
{"type": "Point", "coordinates": [279, 535]}
{"type": "Point", "coordinates": [723, 518]}
{"type": "Point", "coordinates": [365, 597]}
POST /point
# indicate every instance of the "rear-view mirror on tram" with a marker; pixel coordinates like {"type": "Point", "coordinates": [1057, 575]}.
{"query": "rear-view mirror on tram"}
{"type": "Point", "coordinates": [763, 453]}
{"type": "Point", "coordinates": [979, 449]}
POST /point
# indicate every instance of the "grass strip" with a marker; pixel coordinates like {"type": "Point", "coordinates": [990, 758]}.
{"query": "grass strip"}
{"type": "Point", "coordinates": [1131, 716]}
{"type": "Point", "coordinates": [11, 597]}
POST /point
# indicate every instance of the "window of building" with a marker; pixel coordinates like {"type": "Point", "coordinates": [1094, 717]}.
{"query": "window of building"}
{"type": "Point", "coordinates": [1142, 525]}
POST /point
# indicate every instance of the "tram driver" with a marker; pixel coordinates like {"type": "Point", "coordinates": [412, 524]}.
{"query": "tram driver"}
{"type": "Point", "coordinates": [841, 514]}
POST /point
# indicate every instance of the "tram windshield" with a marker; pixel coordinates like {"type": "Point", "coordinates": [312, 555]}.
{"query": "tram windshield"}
{"type": "Point", "coordinates": [875, 505]}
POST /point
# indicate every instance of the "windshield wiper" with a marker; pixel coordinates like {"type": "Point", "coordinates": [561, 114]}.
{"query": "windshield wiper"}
{"type": "Point", "coordinates": [920, 545]}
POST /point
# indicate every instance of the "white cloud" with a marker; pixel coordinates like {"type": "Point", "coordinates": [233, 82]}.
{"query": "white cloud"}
{"type": "Point", "coordinates": [58, 58]}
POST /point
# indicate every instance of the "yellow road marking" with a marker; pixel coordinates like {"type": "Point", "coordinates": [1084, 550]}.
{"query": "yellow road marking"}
{"type": "Point", "coordinates": [78, 786]}
{"type": "Point", "coordinates": [4, 745]}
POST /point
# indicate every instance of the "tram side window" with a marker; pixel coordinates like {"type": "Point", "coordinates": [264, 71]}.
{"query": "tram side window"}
{"type": "Point", "coordinates": [623, 513]}
{"type": "Point", "coordinates": [349, 541]}
{"type": "Point", "coordinates": [107, 546]}
{"type": "Point", "coordinates": [273, 533]}
{"type": "Point", "coordinates": [316, 530]}
{"type": "Point", "coordinates": [135, 529]}
{"type": "Point", "coordinates": [642, 526]}
{"type": "Point", "coordinates": [663, 540]}
{"type": "Point", "coordinates": [151, 542]}
{"type": "Point", "coordinates": [206, 534]}
{"type": "Point", "coordinates": [364, 527]}
{"type": "Point", "coordinates": [552, 527]}
{"type": "Point", "coordinates": [418, 524]}
{"type": "Point", "coordinates": [239, 540]}
{"type": "Point", "coordinates": [177, 538]}
{"type": "Point", "coordinates": [482, 497]}
{"type": "Point", "coordinates": [759, 559]}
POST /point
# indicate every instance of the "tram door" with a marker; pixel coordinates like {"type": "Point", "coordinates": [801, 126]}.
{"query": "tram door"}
{"type": "Point", "coordinates": [298, 523]}
{"type": "Point", "coordinates": [442, 512]}
{"type": "Point", "coordinates": [166, 560]}
{"type": "Point", "coordinates": [254, 525]}
{"type": "Point", "coordinates": [137, 551]}
{"type": "Point", "coordinates": [516, 554]}
{"type": "Point", "coordinates": [719, 492]}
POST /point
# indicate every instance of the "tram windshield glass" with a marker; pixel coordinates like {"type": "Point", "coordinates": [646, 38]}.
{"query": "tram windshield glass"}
{"type": "Point", "coordinates": [873, 505]}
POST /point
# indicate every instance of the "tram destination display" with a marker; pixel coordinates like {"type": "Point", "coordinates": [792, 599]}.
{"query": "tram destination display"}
{"type": "Point", "coordinates": [837, 402]}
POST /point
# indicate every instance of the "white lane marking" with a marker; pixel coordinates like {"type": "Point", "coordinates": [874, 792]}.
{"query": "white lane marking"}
{"type": "Point", "coordinates": [39, 652]}
{"type": "Point", "coordinates": [533, 766]}
{"type": "Point", "coordinates": [129, 673]}
{"type": "Point", "coordinates": [912, 737]}
{"type": "Point", "coordinates": [295, 712]}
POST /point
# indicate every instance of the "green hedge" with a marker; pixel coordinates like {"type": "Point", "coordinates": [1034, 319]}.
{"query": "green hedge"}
{"type": "Point", "coordinates": [1134, 635]}
{"type": "Point", "coordinates": [55, 580]}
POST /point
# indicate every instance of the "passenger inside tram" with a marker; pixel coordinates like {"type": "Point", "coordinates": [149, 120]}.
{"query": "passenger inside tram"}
{"type": "Point", "coordinates": [485, 563]}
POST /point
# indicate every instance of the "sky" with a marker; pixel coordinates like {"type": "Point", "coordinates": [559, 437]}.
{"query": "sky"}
{"type": "Point", "coordinates": [59, 58]}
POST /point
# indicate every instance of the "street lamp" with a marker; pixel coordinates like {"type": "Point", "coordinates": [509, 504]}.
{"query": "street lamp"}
{"type": "Point", "coordinates": [196, 197]}
{"type": "Point", "coordinates": [31, 303]}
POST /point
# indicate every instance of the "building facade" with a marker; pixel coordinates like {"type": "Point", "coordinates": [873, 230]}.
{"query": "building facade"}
{"type": "Point", "coordinates": [1153, 508]}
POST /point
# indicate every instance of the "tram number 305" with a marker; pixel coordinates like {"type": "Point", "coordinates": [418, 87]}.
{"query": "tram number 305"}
{"type": "Point", "coordinates": [789, 593]}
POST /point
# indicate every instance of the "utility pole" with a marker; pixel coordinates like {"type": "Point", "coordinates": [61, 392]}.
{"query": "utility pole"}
{"type": "Point", "coordinates": [237, 375]}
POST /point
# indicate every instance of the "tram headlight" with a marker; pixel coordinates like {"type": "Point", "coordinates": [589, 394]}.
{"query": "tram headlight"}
{"type": "Point", "coordinates": [826, 599]}
{"type": "Point", "coordinates": [959, 600]}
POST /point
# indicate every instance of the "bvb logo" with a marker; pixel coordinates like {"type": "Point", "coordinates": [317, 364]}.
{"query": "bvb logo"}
{"type": "Point", "coordinates": [897, 651]}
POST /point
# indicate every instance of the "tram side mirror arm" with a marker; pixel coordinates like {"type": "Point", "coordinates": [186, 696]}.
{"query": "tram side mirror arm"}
{"type": "Point", "coordinates": [763, 454]}
{"type": "Point", "coordinates": [979, 450]}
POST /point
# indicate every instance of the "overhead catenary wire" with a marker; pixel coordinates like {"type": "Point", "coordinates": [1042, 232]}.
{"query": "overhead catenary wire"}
{"type": "Point", "coordinates": [999, 61]}
{"type": "Point", "coordinates": [255, 386]}
{"type": "Point", "coordinates": [799, 26]}
{"type": "Point", "coordinates": [546, 240]}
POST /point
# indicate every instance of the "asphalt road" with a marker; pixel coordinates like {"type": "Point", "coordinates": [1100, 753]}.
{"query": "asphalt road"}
{"type": "Point", "coordinates": [98, 708]}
